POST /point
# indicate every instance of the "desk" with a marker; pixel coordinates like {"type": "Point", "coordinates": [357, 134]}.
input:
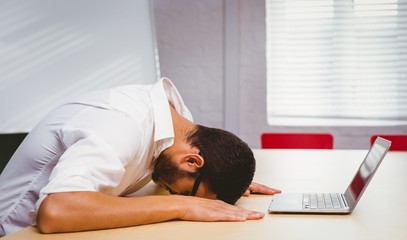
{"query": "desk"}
{"type": "Point", "coordinates": [292, 171]}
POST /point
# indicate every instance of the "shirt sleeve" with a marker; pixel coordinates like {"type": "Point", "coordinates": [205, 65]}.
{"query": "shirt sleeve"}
{"type": "Point", "coordinates": [88, 164]}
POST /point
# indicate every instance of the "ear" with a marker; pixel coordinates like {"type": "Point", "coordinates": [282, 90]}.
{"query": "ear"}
{"type": "Point", "coordinates": [191, 162]}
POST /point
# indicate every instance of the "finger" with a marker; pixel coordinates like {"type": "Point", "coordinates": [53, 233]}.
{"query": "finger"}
{"type": "Point", "coordinates": [241, 214]}
{"type": "Point", "coordinates": [201, 209]}
{"type": "Point", "coordinates": [255, 216]}
{"type": "Point", "coordinates": [259, 188]}
{"type": "Point", "coordinates": [227, 212]}
{"type": "Point", "coordinates": [249, 214]}
{"type": "Point", "coordinates": [246, 193]}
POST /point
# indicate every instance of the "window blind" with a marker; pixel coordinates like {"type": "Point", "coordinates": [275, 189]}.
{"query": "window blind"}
{"type": "Point", "coordinates": [336, 60]}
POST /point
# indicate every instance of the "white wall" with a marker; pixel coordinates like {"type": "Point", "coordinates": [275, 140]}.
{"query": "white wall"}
{"type": "Point", "coordinates": [191, 38]}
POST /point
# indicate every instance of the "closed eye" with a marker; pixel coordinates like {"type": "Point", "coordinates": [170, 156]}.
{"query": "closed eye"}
{"type": "Point", "coordinates": [172, 192]}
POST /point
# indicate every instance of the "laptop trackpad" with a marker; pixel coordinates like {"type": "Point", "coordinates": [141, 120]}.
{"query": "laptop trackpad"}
{"type": "Point", "coordinates": [286, 202]}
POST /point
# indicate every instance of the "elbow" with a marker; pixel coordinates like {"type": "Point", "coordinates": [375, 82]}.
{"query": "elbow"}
{"type": "Point", "coordinates": [45, 225]}
{"type": "Point", "coordinates": [49, 216]}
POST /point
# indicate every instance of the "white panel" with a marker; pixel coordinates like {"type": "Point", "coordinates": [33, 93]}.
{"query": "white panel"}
{"type": "Point", "coordinates": [53, 50]}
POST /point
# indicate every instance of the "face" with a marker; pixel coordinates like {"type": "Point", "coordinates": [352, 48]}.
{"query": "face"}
{"type": "Point", "coordinates": [169, 176]}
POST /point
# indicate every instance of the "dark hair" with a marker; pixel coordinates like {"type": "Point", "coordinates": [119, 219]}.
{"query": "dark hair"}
{"type": "Point", "coordinates": [229, 162]}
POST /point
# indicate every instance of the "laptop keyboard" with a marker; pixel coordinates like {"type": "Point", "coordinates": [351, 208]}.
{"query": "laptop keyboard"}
{"type": "Point", "coordinates": [321, 201]}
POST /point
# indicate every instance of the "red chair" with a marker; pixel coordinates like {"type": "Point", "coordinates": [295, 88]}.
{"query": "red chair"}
{"type": "Point", "coordinates": [297, 140]}
{"type": "Point", "coordinates": [398, 142]}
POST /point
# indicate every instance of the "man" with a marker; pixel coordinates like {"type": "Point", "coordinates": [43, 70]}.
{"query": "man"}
{"type": "Point", "coordinates": [74, 169]}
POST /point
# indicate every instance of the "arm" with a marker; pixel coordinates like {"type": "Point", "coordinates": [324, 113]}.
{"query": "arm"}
{"type": "Point", "coordinates": [78, 211]}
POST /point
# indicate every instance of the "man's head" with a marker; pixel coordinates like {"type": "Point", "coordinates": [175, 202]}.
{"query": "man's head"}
{"type": "Point", "coordinates": [224, 164]}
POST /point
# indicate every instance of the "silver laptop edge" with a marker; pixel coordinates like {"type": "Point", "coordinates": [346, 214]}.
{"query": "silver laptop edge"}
{"type": "Point", "coordinates": [292, 202]}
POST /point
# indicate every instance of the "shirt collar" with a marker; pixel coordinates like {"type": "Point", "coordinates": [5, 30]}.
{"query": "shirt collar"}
{"type": "Point", "coordinates": [161, 94]}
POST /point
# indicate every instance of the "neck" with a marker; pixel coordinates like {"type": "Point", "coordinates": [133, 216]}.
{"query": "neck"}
{"type": "Point", "coordinates": [181, 125]}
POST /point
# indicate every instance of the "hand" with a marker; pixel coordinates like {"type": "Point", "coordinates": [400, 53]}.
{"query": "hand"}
{"type": "Point", "coordinates": [262, 189]}
{"type": "Point", "coordinates": [202, 209]}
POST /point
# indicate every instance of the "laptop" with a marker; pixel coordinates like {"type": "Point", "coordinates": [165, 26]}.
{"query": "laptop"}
{"type": "Point", "coordinates": [334, 203]}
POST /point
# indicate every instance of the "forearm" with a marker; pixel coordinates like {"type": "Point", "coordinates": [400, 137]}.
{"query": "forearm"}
{"type": "Point", "coordinates": [78, 211]}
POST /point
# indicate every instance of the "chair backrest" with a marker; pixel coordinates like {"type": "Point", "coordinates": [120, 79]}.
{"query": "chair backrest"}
{"type": "Point", "coordinates": [398, 142]}
{"type": "Point", "coordinates": [297, 140]}
{"type": "Point", "coordinates": [8, 145]}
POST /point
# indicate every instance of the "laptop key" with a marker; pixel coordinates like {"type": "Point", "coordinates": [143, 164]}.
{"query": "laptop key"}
{"type": "Point", "coordinates": [321, 201]}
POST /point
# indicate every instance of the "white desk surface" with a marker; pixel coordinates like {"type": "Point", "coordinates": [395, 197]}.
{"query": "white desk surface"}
{"type": "Point", "coordinates": [380, 214]}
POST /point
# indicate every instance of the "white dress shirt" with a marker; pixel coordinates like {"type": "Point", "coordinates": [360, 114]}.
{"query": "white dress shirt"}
{"type": "Point", "coordinates": [104, 141]}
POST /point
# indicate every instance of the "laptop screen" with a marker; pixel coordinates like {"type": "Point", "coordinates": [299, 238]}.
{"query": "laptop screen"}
{"type": "Point", "coordinates": [367, 168]}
